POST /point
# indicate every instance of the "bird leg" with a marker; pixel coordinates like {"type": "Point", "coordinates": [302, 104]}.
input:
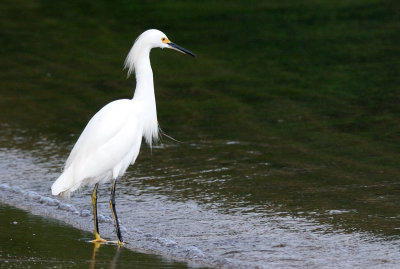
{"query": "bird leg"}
{"type": "Point", "coordinates": [112, 206]}
{"type": "Point", "coordinates": [97, 238]}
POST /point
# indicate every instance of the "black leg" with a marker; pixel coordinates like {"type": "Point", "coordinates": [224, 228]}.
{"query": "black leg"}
{"type": "Point", "coordinates": [114, 212]}
{"type": "Point", "coordinates": [97, 238]}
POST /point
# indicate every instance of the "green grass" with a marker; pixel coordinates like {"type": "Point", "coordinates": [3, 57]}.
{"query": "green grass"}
{"type": "Point", "coordinates": [318, 78]}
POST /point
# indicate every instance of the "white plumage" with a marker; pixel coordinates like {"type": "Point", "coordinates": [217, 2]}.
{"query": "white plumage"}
{"type": "Point", "coordinates": [111, 140]}
{"type": "Point", "coordinates": [109, 143]}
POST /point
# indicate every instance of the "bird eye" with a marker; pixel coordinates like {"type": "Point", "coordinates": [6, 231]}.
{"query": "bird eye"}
{"type": "Point", "coordinates": [164, 40]}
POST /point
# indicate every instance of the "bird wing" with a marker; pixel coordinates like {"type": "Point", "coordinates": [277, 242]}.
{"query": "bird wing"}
{"type": "Point", "coordinates": [111, 136]}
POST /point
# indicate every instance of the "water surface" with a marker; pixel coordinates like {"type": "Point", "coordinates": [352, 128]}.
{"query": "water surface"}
{"type": "Point", "coordinates": [36, 242]}
{"type": "Point", "coordinates": [180, 195]}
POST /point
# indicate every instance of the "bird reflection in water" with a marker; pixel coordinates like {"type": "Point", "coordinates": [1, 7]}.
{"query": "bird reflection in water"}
{"type": "Point", "coordinates": [114, 261]}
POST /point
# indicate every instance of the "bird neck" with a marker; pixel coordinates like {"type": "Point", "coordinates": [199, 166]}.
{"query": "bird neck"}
{"type": "Point", "coordinates": [144, 96]}
{"type": "Point", "coordinates": [144, 79]}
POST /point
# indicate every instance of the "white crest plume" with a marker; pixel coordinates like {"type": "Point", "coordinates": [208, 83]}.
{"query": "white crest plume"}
{"type": "Point", "coordinates": [130, 58]}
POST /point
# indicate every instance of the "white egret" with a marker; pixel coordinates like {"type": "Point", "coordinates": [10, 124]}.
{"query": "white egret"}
{"type": "Point", "coordinates": [111, 140]}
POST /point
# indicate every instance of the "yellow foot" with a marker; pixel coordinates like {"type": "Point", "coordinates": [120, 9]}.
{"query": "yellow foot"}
{"type": "Point", "coordinates": [98, 241]}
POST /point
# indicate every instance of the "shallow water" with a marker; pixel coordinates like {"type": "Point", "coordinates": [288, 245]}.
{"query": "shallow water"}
{"type": "Point", "coordinates": [36, 242]}
{"type": "Point", "coordinates": [195, 201]}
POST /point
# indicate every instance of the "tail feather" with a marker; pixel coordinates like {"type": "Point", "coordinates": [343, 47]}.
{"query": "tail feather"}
{"type": "Point", "coordinates": [65, 184]}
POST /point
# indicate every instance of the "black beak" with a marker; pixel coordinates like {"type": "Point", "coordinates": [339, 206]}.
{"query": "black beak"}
{"type": "Point", "coordinates": [180, 49]}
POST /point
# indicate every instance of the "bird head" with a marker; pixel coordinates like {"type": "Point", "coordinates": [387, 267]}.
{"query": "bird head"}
{"type": "Point", "coordinates": [160, 40]}
{"type": "Point", "coordinates": [146, 41]}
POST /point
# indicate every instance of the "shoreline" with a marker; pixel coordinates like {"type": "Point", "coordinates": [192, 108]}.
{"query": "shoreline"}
{"type": "Point", "coordinates": [134, 239]}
